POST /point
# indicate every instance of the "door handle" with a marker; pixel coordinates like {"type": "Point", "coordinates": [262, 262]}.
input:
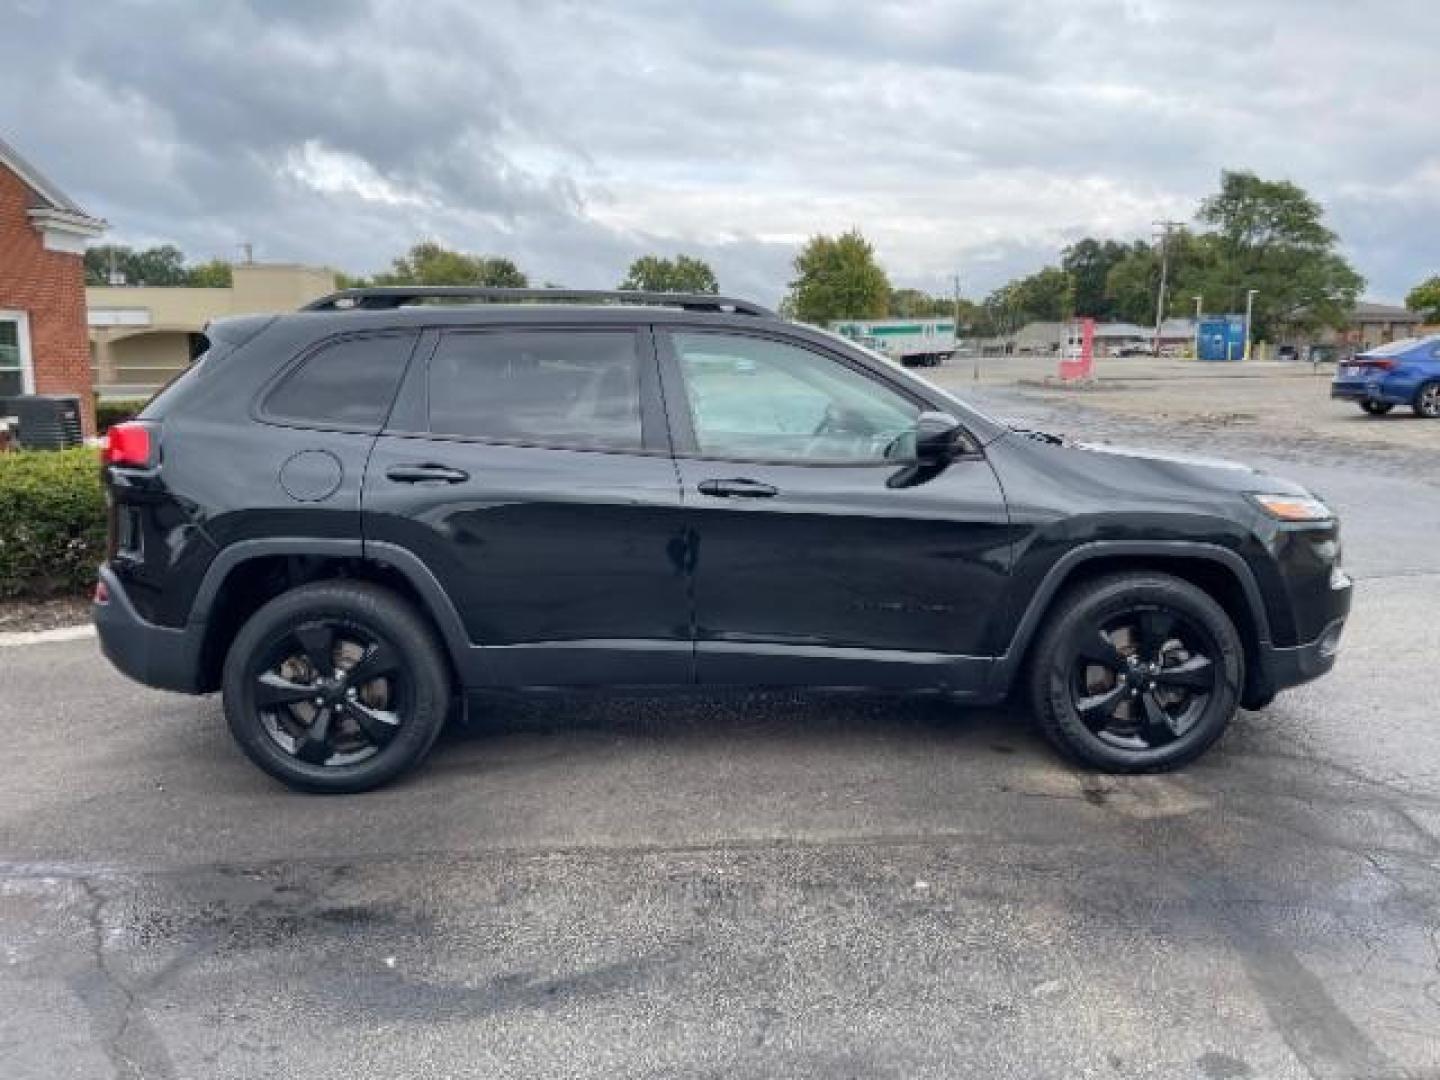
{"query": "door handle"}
{"type": "Point", "coordinates": [427, 473]}
{"type": "Point", "coordinates": [737, 489]}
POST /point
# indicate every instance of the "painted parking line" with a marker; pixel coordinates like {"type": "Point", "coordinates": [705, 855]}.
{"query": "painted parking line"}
{"type": "Point", "coordinates": [44, 637]}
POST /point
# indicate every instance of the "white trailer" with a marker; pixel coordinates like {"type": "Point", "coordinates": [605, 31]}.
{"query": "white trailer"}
{"type": "Point", "coordinates": [917, 342]}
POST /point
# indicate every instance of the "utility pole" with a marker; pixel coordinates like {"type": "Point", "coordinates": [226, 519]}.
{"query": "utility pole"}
{"type": "Point", "coordinates": [1164, 227]}
{"type": "Point", "coordinates": [1199, 300]}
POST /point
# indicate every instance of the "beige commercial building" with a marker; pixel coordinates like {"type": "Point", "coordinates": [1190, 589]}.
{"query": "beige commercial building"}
{"type": "Point", "coordinates": [141, 335]}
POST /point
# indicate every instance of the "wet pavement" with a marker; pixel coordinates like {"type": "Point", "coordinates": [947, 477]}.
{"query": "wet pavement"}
{"type": "Point", "coordinates": [810, 887]}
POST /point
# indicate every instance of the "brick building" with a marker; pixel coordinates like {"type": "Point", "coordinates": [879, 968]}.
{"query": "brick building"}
{"type": "Point", "coordinates": [44, 341]}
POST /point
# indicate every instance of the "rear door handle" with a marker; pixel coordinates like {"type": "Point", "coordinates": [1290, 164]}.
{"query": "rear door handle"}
{"type": "Point", "coordinates": [427, 473]}
{"type": "Point", "coordinates": [737, 489]}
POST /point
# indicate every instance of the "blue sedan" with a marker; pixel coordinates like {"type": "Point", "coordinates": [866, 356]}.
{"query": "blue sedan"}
{"type": "Point", "coordinates": [1400, 373]}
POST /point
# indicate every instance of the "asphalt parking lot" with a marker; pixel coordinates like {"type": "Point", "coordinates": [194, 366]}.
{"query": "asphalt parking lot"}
{"type": "Point", "coordinates": [776, 887]}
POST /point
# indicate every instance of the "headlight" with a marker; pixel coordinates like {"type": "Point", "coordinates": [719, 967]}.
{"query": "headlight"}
{"type": "Point", "coordinates": [1293, 507]}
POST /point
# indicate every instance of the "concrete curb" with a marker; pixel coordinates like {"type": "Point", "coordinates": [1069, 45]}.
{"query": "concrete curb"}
{"type": "Point", "coordinates": [44, 637]}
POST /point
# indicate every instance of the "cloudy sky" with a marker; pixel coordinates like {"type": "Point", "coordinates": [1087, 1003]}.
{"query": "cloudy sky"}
{"type": "Point", "coordinates": [963, 136]}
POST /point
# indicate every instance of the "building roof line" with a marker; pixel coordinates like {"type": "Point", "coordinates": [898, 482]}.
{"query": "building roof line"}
{"type": "Point", "coordinates": [53, 198]}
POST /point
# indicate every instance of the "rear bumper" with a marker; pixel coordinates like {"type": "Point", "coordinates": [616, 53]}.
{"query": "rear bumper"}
{"type": "Point", "coordinates": [157, 656]}
{"type": "Point", "coordinates": [1367, 391]}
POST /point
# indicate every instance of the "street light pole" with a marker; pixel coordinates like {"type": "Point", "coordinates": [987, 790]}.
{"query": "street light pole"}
{"type": "Point", "coordinates": [1249, 314]}
{"type": "Point", "coordinates": [1199, 300]}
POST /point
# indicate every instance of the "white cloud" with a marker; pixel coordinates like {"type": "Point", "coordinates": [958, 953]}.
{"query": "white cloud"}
{"type": "Point", "coordinates": [974, 136]}
{"type": "Point", "coordinates": [334, 172]}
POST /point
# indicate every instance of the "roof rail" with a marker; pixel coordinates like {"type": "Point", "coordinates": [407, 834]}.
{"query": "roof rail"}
{"type": "Point", "coordinates": [385, 297]}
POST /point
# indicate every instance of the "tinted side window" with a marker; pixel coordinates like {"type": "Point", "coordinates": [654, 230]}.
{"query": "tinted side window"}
{"type": "Point", "coordinates": [348, 383]}
{"type": "Point", "coordinates": [548, 387]}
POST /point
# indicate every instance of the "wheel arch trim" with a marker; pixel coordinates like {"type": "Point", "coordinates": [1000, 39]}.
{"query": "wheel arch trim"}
{"type": "Point", "coordinates": [438, 605]}
{"type": "Point", "coordinates": [1007, 665]}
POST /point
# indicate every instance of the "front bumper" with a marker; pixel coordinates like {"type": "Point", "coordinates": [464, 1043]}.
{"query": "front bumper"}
{"type": "Point", "coordinates": [1281, 667]}
{"type": "Point", "coordinates": [154, 655]}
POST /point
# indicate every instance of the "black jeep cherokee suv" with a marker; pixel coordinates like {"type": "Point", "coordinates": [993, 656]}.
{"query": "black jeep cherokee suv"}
{"type": "Point", "coordinates": [351, 517]}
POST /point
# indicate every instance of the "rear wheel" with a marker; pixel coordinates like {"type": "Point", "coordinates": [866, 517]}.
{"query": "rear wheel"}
{"type": "Point", "coordinates": [1136, 673]}
{"type": "Point", "coordinates": [1427, 401]}
{"type": "Point", "coordinates": [1376, 408]}
{"type": "Point", "coordinates": [336, 686]}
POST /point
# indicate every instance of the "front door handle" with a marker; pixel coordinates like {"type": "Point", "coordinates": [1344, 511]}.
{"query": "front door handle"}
{"type": "Point", "coordinates": [737, 489]}
{"type": "Point", "coordinates": [427, 473]}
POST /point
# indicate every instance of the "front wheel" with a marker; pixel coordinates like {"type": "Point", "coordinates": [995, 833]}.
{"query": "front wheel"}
{"type": "Point", "coordinates": [336, 686]}
{"type": "Point", "coordinates": [1376, 408]}
{"type": "Point", "coordinates": [1137, 672]}
{"type": "Point", "coordinates": [1427, 401]}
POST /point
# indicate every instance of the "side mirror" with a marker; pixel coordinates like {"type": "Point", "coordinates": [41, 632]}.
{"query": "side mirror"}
{"type": "Point", "coordinates": [935, 437]}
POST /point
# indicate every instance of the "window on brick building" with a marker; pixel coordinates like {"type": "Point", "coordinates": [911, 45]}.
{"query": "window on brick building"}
{"type": "Point", "coordinates": [14, 354]}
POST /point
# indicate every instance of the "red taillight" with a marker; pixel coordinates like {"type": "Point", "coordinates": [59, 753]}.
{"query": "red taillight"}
{"type": "Point", "coordinates": [129, 444]}
{"type": "Point", "coordinates": [102, 593]}
{"type": "Point", "coordinates": [1374, 363]}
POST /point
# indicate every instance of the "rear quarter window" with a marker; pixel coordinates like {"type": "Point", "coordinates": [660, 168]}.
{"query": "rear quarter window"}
{"type": "Point", "coordinates": [345, 383]}
{"type": "Point", "coordinates": [576, 389]}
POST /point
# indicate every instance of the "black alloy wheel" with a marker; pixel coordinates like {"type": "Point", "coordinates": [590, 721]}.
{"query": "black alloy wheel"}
{"type": "Point", "coordinates": [1143, 679]}
{"type": "Point", "coordinates": [1136, 672]}
{"type": "Point", "coordinates": [1427, 401]}
{"type": "Point", "coordinates": [336, 686]}
{"type": "Point", "coordinates": [332, 693]}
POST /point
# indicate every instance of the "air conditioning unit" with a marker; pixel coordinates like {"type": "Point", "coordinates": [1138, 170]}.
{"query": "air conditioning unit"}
{"type": "Point", "coordinates": [47, 421]}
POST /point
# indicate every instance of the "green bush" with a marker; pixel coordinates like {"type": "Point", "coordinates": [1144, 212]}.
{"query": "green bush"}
{"type": "Point", "coordinates": [116, 411]}
{"type": "Point", "coordinates": [52, 522]}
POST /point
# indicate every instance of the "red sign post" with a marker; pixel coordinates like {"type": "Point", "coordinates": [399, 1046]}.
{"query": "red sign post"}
{"type": "Point", "coordinates": [1079, 363]}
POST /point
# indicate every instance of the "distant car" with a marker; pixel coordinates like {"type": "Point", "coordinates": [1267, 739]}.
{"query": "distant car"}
{"type": "Point", "coordinates": [1289, 353]}
{"type": "Point", "coordinates": [1401, 373]}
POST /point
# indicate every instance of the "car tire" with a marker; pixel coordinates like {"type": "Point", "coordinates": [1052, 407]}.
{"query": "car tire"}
{"type": "Point", "coordinates": [306, 647]}
{"type": "Point", "coordinates": [1136, 672]}
{"type": "Point", "coordinates": [1376, 408]}
{"type": "Point", "coordinates": [1427, 400]}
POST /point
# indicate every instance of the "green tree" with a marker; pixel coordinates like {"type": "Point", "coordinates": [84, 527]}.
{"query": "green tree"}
{"type": "Point", "coordinates": [1089, 262]}
{"type": "Point", "coordinates": [1425, 298]}
{"type": "Point", "coordinates": [1047, 294]}
{"type": "Point", "coordinates": [156, 266]}
{"type": "Point", "coordinates": [1131, 284]}
{"type": "Point", "coordinates": [682, 274]}
{"type": "Point", "coordinates": [1270, 236]}
{"type": "Point", "coordinates": [916, 304]}
{"type": "Point", "coordinates": [98, 260]}
{"type": "Point", "coordinates": [838, 278]}
{"type": "Point", "coordinates": [215, 274]}
{"type": "Point", "coordinates": [428, 263]}
{"type": "Point", "coordinates": [1003, 311]}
